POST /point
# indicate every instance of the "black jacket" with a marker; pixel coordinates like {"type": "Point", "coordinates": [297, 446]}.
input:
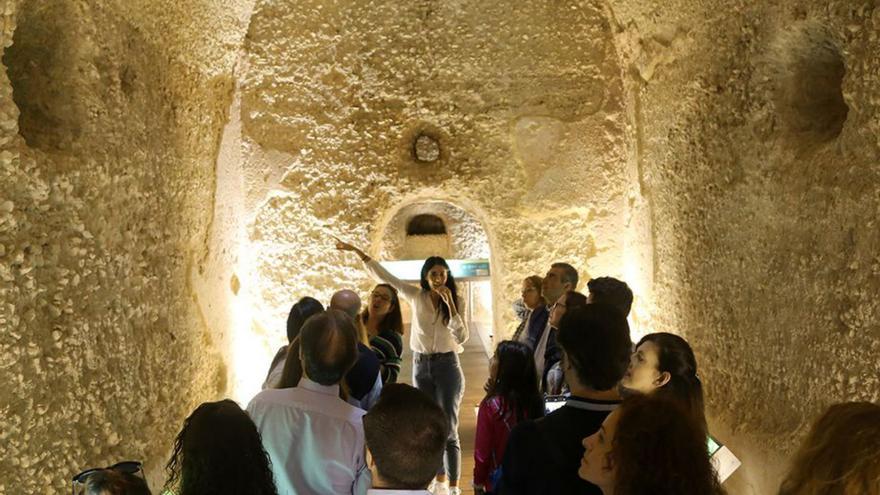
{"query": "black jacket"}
{"type": "Point", "coordinates": [543, 456]}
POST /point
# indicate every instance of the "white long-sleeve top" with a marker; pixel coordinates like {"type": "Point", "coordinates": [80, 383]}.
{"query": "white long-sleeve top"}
{"type": "Point", "coordinates": [428, 334]}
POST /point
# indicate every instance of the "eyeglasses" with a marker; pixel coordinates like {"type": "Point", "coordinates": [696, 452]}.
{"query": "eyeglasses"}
{"type": "Point", "coordinates": [127, 467]}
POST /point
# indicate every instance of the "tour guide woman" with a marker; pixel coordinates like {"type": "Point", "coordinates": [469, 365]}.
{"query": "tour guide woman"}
{"type": "Point", "coordinates": [436, 337]}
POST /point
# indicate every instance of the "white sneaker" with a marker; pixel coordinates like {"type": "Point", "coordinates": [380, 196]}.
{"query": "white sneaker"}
{"type": "Point", "coordinates": [454, 490]}
{"type": "Point", "coordinates": [438, 488]}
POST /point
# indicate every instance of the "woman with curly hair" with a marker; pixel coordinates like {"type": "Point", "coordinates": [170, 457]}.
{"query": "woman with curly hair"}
{"type": "Point", "coordinates": [841, 455]}
{"type": "Point", "coordinates": [219, 452]}
{"type": "Point", "coordinates": [650, 444]}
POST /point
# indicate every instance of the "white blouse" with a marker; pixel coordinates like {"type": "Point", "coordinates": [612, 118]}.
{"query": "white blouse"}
{"type": "Point", "coordinates": [428, 335]}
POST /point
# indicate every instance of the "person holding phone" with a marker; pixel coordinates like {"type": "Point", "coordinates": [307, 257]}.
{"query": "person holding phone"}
{"type": "Point", "coordinates": [437, 336]}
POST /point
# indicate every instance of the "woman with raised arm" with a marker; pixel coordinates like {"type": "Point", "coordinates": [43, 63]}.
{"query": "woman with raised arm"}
{"type": "Point", "coordinates": [437, 336]}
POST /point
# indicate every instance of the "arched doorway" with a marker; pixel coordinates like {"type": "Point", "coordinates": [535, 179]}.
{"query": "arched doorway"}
{"type": "Point", "coordinates": [440, 228]}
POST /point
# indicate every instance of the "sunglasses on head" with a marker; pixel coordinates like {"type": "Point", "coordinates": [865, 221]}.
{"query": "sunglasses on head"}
{"type": "Point", "coordinates": [127, 467]}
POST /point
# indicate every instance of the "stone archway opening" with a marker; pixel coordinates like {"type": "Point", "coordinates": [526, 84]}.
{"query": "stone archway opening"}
{"type": "Point", "coordinates": [440, 228]}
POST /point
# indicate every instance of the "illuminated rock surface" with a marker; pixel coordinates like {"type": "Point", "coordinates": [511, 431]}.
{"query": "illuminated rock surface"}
{"type": "Point", "coordinates": [171, 174]}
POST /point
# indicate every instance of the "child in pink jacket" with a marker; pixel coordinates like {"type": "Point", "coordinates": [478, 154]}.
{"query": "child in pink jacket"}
{"type": "Point", "coordinates": [512, 395]}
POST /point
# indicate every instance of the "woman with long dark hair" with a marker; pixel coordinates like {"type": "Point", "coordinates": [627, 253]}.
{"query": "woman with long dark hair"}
{"type": "Point", "coordinates": [219, 451]}
{"type": "Point", "coordinates": [512, 396]}
{"type": "Point", "coordinates": [384, 326]}
{"type": "Point", "coordinates": [650, 444]}
{"type": "Point", "coordinates": [664, 364]}
{"type": "Point", "coordinates": [299, 313]}
{"type": "Point", "coordinates": [437, 336]}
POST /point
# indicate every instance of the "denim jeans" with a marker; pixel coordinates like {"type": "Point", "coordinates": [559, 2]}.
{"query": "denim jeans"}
{"type": "Point", "coordinates": [440, 376]}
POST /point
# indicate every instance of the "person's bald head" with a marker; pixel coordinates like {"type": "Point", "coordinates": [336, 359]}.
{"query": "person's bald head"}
{"type": "Point", "coordinates": [346, 301]}
{"type": "Point", "coordinates": [328, 347]}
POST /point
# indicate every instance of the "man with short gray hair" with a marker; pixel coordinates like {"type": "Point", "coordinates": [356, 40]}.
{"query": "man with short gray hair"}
{"type": "Point", "coordinates": [365, 379]}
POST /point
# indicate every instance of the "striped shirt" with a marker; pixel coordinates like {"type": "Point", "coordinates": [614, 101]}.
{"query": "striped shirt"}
{"type": "Point", "coordinates": [388, 346]}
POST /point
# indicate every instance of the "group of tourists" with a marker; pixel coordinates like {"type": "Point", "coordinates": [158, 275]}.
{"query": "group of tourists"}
{"type": "Point", "coordinates": [571, 406]}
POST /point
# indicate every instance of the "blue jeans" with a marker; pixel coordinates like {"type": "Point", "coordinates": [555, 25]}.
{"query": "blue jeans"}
{"type": "Point", "coordinates": [440, 376]}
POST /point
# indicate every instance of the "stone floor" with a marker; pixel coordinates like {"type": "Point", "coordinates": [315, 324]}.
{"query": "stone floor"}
{"type": "Point", "coordinates": [475, 364]}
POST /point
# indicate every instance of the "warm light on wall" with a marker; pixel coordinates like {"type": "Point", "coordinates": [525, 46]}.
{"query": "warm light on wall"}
{"type": "Point", "coordinates": [639, 314]}
{"type": "Point", "coordinates": [250, 353]}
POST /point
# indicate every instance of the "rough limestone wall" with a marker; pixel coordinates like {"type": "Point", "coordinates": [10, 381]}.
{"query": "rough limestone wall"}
{"type": "Point", "coordinates": [524, 98]}
{"type": "Point", "coordinates": [107, 143]}
{"type": "Point", "coordinates": [765, 220]}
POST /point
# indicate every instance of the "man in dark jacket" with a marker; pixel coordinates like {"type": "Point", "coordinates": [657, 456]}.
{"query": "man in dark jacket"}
{"type": "Point", "coordinates": [543, 456]}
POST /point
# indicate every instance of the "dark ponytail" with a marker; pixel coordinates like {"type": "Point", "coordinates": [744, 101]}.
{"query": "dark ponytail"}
{"type": "Point", "coordinates": [675, 356]}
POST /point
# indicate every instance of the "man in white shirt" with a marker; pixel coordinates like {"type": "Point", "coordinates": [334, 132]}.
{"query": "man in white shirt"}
{"type": "Point", "coordinates": [314, 439]}
{"type": "Point", "coordinates": [406, 433]}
